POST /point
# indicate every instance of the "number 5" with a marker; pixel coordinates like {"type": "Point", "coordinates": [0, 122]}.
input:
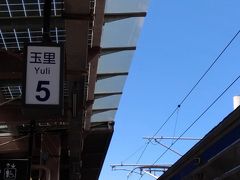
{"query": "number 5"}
{"type": "Point", "coordinates": [44, 89]}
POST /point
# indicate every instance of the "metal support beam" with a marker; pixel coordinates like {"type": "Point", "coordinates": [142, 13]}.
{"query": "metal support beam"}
{"type": "Point", "coordinates": [132, 168]}
{"type": "Point", "coordinates": [35, 22]}
{"type": "Point", "coordinates": [110, 17]}
{"type": "Point", "coordinates": [109, 75]}
{"type": "Point", "coordinates": [229, 173]}
{"type": "Point", "coordinates": [149, 173]}
{"type": "Point", "coordinates": [2, 99]}
{"type": "Point", "coordinates": [102, 95]}
{"type": "Point", "coordinates": [162, 166]}
{"type": "Point", "coordinates": [93, 53]}
{"type": "Point", "coordinates": [93, 56]}
{"type": "Point", "coordinates": [96, 111]}
{"type": "Point", "coordinates": [30, 146]}
{"type": "Point", "coordinates": [169, 148]}
{"type": "Point", "coordinates": [172, 138]}
{"type": "Point", "coordinates": [46, 20]}
{"type": "Point", "coordinates": [78, 16]}
{"type": "Point", "coordinates": [50, 153]}
{"type": "Point", "coordinates": [111, 50]}
{"type": "Point", "coordinates": [76, 60]}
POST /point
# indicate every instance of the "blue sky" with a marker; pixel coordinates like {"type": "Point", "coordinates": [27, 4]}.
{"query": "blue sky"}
{"type": "Point", "coordinates": [180, 39]}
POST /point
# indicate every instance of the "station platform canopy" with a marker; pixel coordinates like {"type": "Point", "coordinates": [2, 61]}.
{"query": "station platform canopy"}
{"type": "Point", "coordinates": [99, 39]}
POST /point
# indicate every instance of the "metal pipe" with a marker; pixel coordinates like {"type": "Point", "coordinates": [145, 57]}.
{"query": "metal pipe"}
{"type": "Point", "coordinates": [179, 138]}
{"type": "Point", "coordinates": [163, 166]}
{"type": "Point", "coordinates": [156, 177]}
{"type": "Point", "coordinates": [47, 170]}
{"type": "Point", "coordinates": [229, 173]}
{"type": "Point", "coordinates": [168, 147]}
{"type": "Point", "coordinates": [30, 146]}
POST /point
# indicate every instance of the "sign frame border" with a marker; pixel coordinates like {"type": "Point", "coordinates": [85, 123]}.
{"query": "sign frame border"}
{"type": "Point", "coordinates": [61, 79]}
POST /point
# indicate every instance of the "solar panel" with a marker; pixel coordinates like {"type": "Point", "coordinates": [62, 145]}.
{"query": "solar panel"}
{"type": "Point", "coordinates": [22, 22]}
{"type": "Point", "coordinates": [15, 37]}
{"type": "Point", "coordinates": [11, 92]}
{"type": "Point", "coordinates": [26, 8]}
{"type": "Point", "coordinates": [15, 91]}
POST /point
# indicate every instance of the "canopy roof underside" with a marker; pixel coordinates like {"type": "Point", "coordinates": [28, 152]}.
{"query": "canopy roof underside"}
{"type": "Point", "coordinates": [103, 34]}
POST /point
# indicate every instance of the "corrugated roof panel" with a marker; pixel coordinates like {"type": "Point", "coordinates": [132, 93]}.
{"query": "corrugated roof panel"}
{"type": "Point", "coordinates": [115, 62]}
{"type": "Point", "coordinates": [103, 116]}
{"type": "Point", "coordinates": [114, 84]}
{"type": "Point", "coordinates": [122, 33]}
{"type": "Point", "coordinates": [107, 102]}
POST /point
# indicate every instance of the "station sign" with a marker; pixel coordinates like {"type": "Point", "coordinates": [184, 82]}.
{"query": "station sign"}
{"type": "Point", "coordinates": [13, 169]}
{"type": "Point", "coordinates": [44, 75]}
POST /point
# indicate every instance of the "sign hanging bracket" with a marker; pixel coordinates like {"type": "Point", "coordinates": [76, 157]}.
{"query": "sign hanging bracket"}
{"type": "Point", "coordinates": [46, 21]}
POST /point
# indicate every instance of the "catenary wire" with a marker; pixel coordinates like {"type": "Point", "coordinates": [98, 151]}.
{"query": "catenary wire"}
{"type": "Point", "coordinates": [192, 89]}
{"type": "Point", "coordinates": [200, 79]}
{"type": "Point", "coordinates": [135, 152]}
{"type": "Point", "coordinates": [175, 125]}
{"type": "Point", "coordinates": [167, 147]}
{"type": "Point", "coordinates": [191, 125]}
{"type": "Point", "coordinates": [157, 133]}
{"type": "Point", "coordinates": [210, 67]}
{"type": "Point", "coordinates": [143, 151]}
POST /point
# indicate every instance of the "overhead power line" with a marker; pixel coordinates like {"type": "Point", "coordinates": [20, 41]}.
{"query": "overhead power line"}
{"type": "Point", "coordinates": [156, 134]}
{"type": "Point", "coordinates": [145, 148]}
{"type": "Point", "coordinates": [169, 148]}
{"type": "Point", "coordinates": [191, 125]}
{"type": "Point", "coordinates": [210, 67]}
{"type": "Point", "coordinates": [191, 90]}
{"type": "Point", "coordinates": [175, 124]}
{"type": "Point", "coordinates": [200, 79]}
{"type": "Point", "coordinates": [135, 152]}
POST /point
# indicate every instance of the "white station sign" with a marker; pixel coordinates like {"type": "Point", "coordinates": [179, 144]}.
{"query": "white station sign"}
{"type": "Point", "coordinates": [43, 75]}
